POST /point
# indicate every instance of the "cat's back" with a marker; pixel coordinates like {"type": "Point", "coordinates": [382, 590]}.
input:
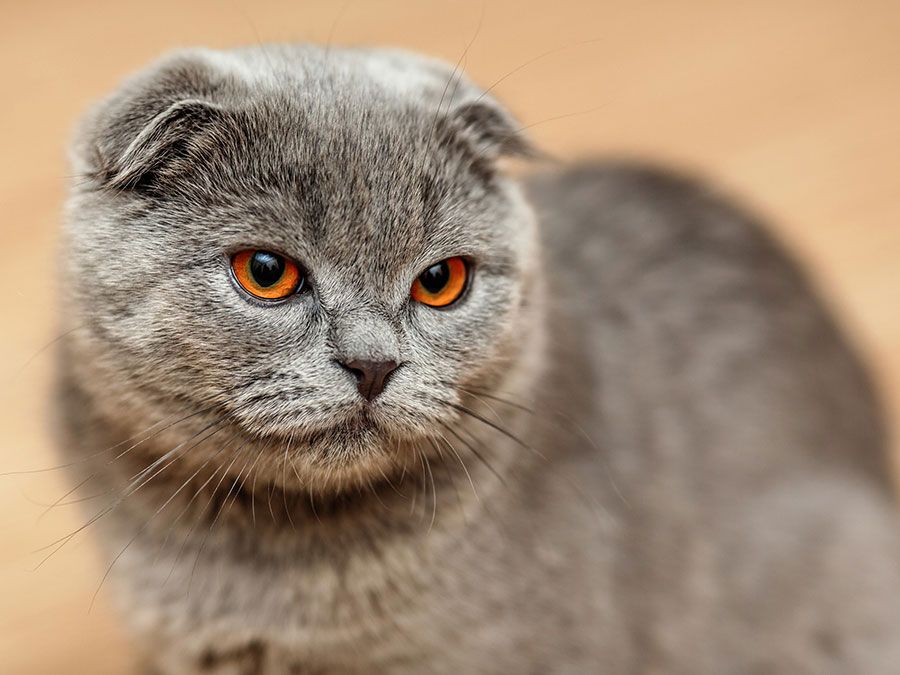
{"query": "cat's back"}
{"type": "Point", "coordinates": [690, 315]}
{"type": "Point", "coordinates": [739, 429]}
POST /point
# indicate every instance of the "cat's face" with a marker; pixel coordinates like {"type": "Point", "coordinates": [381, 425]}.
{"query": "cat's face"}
{"type": "Point", "coordinates": [354, 195]}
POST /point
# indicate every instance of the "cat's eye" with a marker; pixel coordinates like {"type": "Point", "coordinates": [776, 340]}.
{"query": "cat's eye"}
{"type": "Point", "coordinates": [266, 275]}
{"type": "Point", "coordinates": [442, 284]}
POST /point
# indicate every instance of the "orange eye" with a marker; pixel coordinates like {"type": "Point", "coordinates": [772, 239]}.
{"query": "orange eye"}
{"type": "Point", "coordinates": [441, 284]}
{"type": "Point", "coordinates": [266, 275]}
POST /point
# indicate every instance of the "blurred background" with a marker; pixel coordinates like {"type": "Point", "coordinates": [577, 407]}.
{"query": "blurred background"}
{"type": "Point", "coordinates": [794, 107]}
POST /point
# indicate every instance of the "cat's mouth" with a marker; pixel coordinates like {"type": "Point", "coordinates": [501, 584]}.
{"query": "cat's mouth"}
{"type": "Point", "coordinates": [354, 425]}
{"type": "Point", "coordinates": [334, 445]}
{"type": "Point", "coordinates": [348, 428]}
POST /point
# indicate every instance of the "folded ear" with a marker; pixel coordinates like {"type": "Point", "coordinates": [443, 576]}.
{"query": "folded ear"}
{"type": "Point", "coordinates": [166, 148]}
{"type": "Point", "coordinates": [156, 123]}
{"type": "Point", "coordinates": [490, 131]}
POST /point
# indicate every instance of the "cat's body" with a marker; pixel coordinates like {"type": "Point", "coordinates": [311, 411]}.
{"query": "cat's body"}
{"type": "Point", "coordinates": [663, 459]}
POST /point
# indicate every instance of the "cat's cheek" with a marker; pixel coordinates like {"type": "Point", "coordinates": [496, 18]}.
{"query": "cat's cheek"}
{"type": "Point", "coordinates": [230, 335]}
{"type": "Point", "coordinates": [452, 347]}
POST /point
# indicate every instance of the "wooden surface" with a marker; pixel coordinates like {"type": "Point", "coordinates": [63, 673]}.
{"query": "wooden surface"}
{"type": "Point", "coordinates": [795, 107]}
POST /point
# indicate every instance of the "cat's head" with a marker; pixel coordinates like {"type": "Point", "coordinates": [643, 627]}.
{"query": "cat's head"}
{"type": "Point", "coordinates": [314, 247]}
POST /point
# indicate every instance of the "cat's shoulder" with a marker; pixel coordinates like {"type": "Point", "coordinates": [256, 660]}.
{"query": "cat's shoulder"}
{"type": "Point", "coordinates": [641, 203]}
{"type": "Point", "coordinates": [620, 221]}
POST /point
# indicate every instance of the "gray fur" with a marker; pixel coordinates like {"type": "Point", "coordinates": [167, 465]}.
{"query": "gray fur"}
{"type": "Point", "coordinates": [638, 444]}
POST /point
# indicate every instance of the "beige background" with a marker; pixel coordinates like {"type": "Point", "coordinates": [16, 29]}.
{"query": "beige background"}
{"type": "Point", "coordinates": [795, 107]}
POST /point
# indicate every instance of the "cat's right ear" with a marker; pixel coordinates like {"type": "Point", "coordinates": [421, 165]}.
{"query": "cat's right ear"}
{"type": "Point", "coordinates": [150, 131]}
{"type": "Point", "coordinates": [165, 149]}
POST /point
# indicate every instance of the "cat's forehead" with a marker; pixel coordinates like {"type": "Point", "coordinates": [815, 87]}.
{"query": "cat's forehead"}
{"type": "Point", "coordinates": [373, 229]}
{"type": "Point", "coordinates": [358, 185]}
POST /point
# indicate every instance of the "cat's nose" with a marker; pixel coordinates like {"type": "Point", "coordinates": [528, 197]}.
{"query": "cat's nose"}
{"type": "Point", "coordinates": [371, 376]}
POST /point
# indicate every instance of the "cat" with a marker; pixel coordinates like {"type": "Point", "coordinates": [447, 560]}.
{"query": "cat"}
{"type": "Point", "coordinates": [354, 395]}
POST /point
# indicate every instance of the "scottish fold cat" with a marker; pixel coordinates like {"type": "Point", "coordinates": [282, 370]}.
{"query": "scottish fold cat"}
{"type": "Point", "coordinates": [357, 399]}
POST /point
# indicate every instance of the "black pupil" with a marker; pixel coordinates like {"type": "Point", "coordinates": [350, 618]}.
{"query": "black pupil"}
{"type": "Point", "coordinates": [266, 268]}
{"type": "Point", "coordinates": [435, 277]}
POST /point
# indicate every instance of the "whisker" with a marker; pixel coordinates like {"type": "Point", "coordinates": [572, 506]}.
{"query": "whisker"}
{"type": "Point", "coordinates": [130, 489]}
{"type": "Point", "coordinates": [433, 492]}
{"type": "Point", "coordinates": [390, 483]}
{"type": "Point", "coordinates": [334, 25]}
{"type": "Point", "coordinates": [459, 502]}
{"type": "Point", "coordinates": [534, 59]}
{"type": "Point", "coordinates": [312, 506]}
{"type": "Point", "coordinates": [70, 492]}
{"type": "Point", "coordinates": [483, 402]}
{"type": "Point", "coordinates": [477, 454]}
{"type": "Point", "coordinates": [37, 353]}
{"type": "Point", "coordinates": [212, 524]}
{"type": "Point", "coordinates": [462, 464]}
{"type": "Point", "coordinates": [192, 499]}
{"type": "Point", "coordinates": [574, 485]}
{"type": "Point", "coordinates": [146, 525]}
{"type": "Point", "coordinates": [191, 530]}
{"type": "Point", "coordinates": [243, 482]}
{"type": "Point", "coordinates": [284, 488]}
{"type": "Point", "coordinates": [415, 495]}
{"type": "Point", "coordinates": [253, 487]}
{"type": "Point", "coordinates": [570, 424]}
{"type": "Point", "coordinates": [113, 447]}
{"type": "Point", "coordinates": [471, 413]}
{"type": "Point", "coordinates": [218, 425]}
{"type": "Point", "coordinates": [576, 113]}
{"type": "Point", "coordinates": [453, 74]}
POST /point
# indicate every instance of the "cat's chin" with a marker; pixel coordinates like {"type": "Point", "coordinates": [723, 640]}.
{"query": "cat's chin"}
{"type": "Point", "coordinates": [347, 452]}
{"type": "Point", "coordinates": [350, 429]}
{"type": "Point", "coordinates": [348, 458]}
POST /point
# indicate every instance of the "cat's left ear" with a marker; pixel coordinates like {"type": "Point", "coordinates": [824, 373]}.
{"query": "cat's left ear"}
{"type": "Point", "coordinates": [491, 131]}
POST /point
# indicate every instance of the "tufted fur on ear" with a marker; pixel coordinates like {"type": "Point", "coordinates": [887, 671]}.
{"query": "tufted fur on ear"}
{"type": "Point", "coordinates": [165, 148]}
{"type": "Point", "coordinates": [490, 131]}
{"type": "Point", "coordinates": [153, 129]}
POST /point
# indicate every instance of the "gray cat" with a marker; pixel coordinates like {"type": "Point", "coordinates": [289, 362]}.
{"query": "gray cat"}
{"type": "Point", "coordinates": [354, 399]}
